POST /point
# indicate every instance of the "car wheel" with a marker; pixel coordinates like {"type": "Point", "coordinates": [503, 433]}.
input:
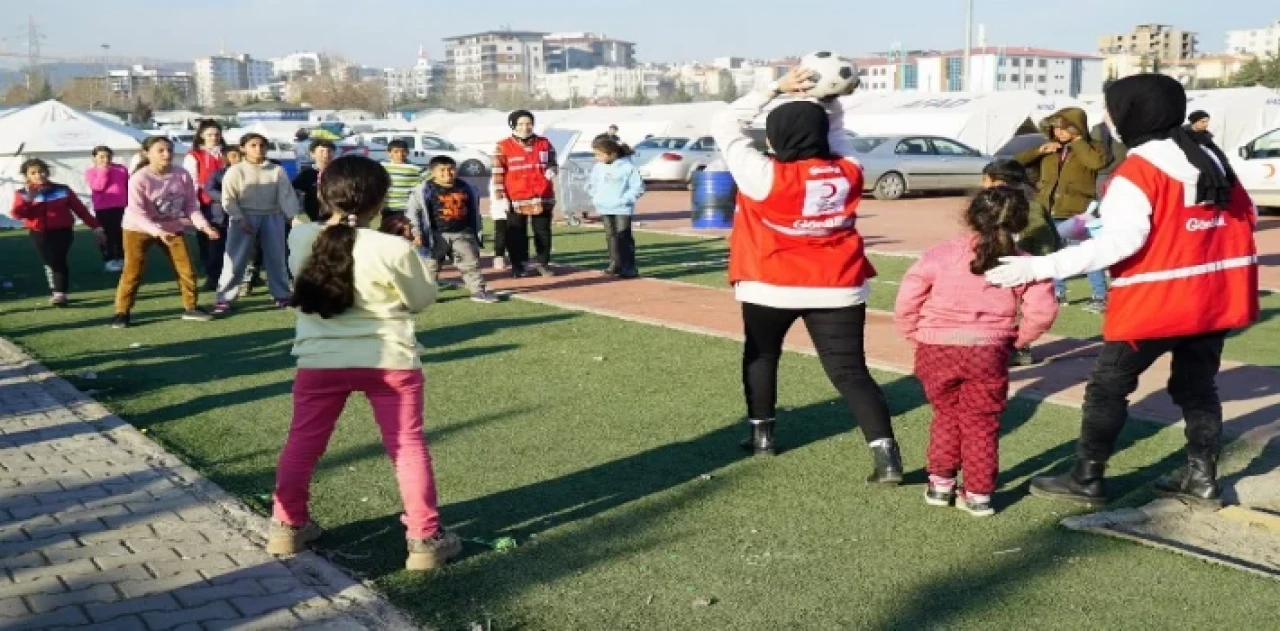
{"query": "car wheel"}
{"type": "Point", "coordinates": [891, 186]}
{"type": "Point", "coordinates": [472, 168]}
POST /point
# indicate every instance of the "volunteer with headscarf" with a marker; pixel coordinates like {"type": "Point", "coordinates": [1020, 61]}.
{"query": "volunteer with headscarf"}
{"type": "Point", "coordinates": [522, 186]}
{"type": "Point", "coordinates": [795, 253]}
{"type": "Point", "coordinates": [1178, 240]}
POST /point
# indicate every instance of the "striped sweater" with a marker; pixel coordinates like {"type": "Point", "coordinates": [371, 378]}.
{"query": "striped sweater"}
{"type": "Point", "coordinates": [405, 177]}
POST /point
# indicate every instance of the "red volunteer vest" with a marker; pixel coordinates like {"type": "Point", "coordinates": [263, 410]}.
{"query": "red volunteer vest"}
{"type": "Point", "coordinates": [1197, 272]}
{"type": "Point", "coordinates": [803, 233]}
{"type": "Point", "coordinates": [526, 175]}
{"type": "Point", "coordinates": [207, 164]}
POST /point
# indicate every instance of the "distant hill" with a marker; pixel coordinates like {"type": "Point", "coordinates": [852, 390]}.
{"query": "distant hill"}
{"type": "Point", "coordinates": [61, 73]}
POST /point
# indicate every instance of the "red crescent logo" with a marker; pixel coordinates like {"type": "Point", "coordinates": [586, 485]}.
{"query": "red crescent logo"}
{"type": "Point", "coordinates": [830, 189]}
{"type": "Point", "coordinates": [1271, 171]}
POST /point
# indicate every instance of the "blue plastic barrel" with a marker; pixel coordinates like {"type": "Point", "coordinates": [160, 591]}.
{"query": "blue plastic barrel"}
{"type": "Point", "coordinates": [715, 195]}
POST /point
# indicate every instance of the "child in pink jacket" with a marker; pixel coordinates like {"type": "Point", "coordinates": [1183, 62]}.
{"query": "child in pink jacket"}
{"type": "Point", "coordinates": [109, 186]}
{"type": "Point", "coordinates": [965, 330]}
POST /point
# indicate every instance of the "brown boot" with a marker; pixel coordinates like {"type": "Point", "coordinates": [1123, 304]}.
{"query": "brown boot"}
{"type": "Point", "coordinates": [286, 540]}
{"type": "Point", "coordinates": [436, 552]}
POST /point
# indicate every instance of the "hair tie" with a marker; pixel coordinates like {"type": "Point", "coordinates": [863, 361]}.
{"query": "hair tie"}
{"type": "Point", "coordinates": [353, 220]}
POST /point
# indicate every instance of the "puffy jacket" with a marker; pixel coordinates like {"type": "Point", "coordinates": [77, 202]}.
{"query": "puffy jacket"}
{"type": "Point", "coordinates": [1068, 177]}
{"type": "Point", "coordinates": [53, 207]}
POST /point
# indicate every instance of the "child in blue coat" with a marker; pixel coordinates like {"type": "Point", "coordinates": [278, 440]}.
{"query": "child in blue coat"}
{"type": "Point", "coordinates": [615, 187]}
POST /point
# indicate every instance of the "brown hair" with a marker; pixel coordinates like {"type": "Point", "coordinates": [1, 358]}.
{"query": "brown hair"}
{"type": "Point", "coordinates": [611, 147]}
{"type": "Point", "coordinates": [996, 215]}
{"type": "Point", "coordinates": [146, 146]}
{"type": "Point", "coordinates": [354, 187]}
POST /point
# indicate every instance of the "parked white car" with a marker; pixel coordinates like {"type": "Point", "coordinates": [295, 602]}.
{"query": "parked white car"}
{"type": "Point", "coordinates": [1258, 166]}
{"type": "Point", "coordinates": [425, 146]}
{"type": "Point", "coordinates": [672, 160]}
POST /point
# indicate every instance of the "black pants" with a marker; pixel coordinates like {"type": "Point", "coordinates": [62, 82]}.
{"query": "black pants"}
{"type": "Point", "coordinates": [1191, 385]}
{"type": "Point", "coordinates": [499, 238]}
{"type": "Point", "coordinates": [518, 237]}
{"type": "Point", "coordinates": [622, 245]}
{"type": "Point", "coordinates": [837, 335]}
{"type": "Point", "coordinates": [212, 251]}
{"type": "Point", "coordinates": [53, 246]}
{"type": "Point", "coordinates": [113, 247]}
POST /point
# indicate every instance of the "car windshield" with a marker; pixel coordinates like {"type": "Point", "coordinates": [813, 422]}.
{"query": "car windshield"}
{"type": "Point", "coordinates": [664, 144]}
{"type": "Point", "coordinates": [866, 144]}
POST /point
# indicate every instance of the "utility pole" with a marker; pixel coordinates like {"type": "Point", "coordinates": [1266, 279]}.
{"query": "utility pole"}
{"type": "Point", "coordinates": [106, 75]}
{"type": "Point", "coordinates": [968, 44]}
{"type": "Point", "coordinates": [33, 54]}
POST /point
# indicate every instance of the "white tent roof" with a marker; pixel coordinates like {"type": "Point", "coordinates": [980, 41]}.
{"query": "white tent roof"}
{"type": "Point", "coordinates": [1237, 115]}
{"type": "Point", "coordinates": [51, 127]}
{"type": "Point", "coordinates": [982, 121]}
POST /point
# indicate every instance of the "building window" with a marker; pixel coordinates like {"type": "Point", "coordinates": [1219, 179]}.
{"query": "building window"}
{"type": "Point", "coordinates": [955, 68]}
{"type": "Point", "coordinates": [1013, 78]}
{"type": "Point", "coordinates": [1044, 63]}
{"type": "Point", "coordinates": [1040, 79]}
{"type": "Point", "coordinates": [1016, 62]}
{"type": "Point", "coordinates": [1000, 78]}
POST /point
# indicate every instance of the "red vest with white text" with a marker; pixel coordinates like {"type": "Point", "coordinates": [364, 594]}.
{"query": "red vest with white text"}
{"type": "Point", "coordinates": [803, 233]}
{"type": "Point", "coordinates": [526, 174]}
{"type": "Point", "coordinates": [207, 164]}
{"type": "Point", "coordinates": [1198, 270]}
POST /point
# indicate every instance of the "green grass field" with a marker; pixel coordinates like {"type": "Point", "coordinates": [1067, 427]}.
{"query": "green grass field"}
{"type": "Point", "coordinates": [702, 261]}
{"type": "Point", "coordinates": [614, 464]}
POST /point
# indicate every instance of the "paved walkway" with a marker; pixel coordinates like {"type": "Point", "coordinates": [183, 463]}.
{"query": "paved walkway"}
{"type": "Point", "coordinates": [1251, 394]}
{"type": "Point", "coordinates": [102, 529]}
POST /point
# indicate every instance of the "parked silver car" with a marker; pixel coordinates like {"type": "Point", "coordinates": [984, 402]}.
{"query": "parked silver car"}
{"type": "Point", "coordinates": [896, 165]}
{"type": "Point", "coordinates": [673, 160]}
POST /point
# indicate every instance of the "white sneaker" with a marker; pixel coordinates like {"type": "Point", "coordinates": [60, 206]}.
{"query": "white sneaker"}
{"type": "Point", "coordinates": [117, 265]}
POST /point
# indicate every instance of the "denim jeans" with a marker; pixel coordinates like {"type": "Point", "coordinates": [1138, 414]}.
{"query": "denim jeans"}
{"type": "Point", "coordinates": [1097, 280]}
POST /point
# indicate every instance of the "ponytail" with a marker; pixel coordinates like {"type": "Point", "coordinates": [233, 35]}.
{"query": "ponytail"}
{"type": "Point", "coordinates": [997, 215]}
{"type": "Point", "coordinates": [353, 188]}
{"type": "Point", "coordinates": [612, 147]}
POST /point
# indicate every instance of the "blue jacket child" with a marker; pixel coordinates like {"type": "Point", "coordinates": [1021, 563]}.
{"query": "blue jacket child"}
{"type": "Point", "coordinates": [615, 187]}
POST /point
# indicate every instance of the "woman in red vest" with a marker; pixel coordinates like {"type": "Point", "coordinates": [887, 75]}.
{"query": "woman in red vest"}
{"type": "Point", "coordinates": [795, 253]}
{"type": "Point", "coordinates": [203, 162]}
{"type": "Point", "coordinates": [524, 167]}
{"type": "Point", "coordinates": [1178, 238]}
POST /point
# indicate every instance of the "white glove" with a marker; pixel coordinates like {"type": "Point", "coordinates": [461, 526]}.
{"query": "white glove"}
{"type": "Point", "coordinates": [1013, 271]}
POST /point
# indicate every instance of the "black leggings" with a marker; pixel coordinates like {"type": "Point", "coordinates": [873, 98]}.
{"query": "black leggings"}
{"type": "Point", "coordinates": [499, 238]}
{"type": "Point", "coordinates": [113, 247]}
{"type": "Point", "coordinates": [518, 237]}
{"type": "Point", "coordinates": [837, 335]}
{"type": "Point", "coordinates": [53, 246]}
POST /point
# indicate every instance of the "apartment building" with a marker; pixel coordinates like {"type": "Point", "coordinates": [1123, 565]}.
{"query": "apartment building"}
{"type": "Point", "coordinates": [494, 62]}
{"type": "Point", "coordinates": [584, 51]}
{"type": "Point", "coordinates": [602, 83]}
{"type": "Point", "coordinates": [416, 83]}
{"type": "Point", "coordinates": [1155, 41]}
{"type": "Point", "coordinates": [218, 73]}
{"type": "Point", "coordinates": [1004, 69]}
{"type": "Point", "coordinates": [1258, 42]}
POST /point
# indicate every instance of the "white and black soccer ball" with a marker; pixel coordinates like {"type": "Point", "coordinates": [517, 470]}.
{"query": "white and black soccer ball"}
{"type": "Point", "coordinates": [833, 76]}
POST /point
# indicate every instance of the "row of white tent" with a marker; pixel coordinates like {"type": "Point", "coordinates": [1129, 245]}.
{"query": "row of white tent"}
{"type": "Point", "coordinates": [64, 136]}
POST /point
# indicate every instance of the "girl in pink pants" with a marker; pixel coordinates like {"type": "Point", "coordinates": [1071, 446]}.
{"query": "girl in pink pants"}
{"type": "Point", "coordinates": [356, 291]}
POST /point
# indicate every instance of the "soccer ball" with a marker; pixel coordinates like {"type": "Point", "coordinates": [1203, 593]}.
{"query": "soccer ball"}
{"type": "Point", "coordinates": [832, 77]}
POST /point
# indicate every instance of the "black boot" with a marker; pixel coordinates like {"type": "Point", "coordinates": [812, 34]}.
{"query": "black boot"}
{"type": "Point", "coordinates": [888, 463]}
{"type": "Point", "coordinates": [1083, 484]}
{"type": "Point", "coordinates": [1197, 481]}
{"type": "Point", "coordinates": [760, 441]}
{"type": "Point", "coordinates": [614, 266]}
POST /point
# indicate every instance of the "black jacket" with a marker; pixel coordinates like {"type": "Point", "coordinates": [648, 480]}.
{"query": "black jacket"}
{"type": "Point", "coordinates": [306, 182]}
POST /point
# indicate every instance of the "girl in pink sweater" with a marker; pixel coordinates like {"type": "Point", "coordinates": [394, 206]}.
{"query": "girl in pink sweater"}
{"type": "Point", "coordinates": [965, 330]}
{"type": "Point", "coordinates": [109, 185]}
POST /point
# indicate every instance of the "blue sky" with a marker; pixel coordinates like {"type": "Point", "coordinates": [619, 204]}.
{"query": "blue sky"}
{"type": "Point", "coordinates": [388, 32]}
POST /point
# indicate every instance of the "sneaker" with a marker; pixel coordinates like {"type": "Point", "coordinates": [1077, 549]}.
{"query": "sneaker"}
{"type": "Point", "coordinates": [1021, 357]}
{"type": "Point", "coordinates": [221, 307]}
{"type": "Point", "coordinates": [121, 321]}
{"type": "Point", "coordinates": [544, 270]}
{"type": "Point", "coordinates": [976, 505]}
{"type": "Point", "coordinates": [58, 300]}
{"type": "Point", "coordinates": [282, 303]}
{"type": "Point", "coordinates": [499, 263]}
{"type": "Point", "coordinates": [518, 272]}
{"type": "Point", "coordinates": [117, 265]}
{"type": "Point", "coordinates": [196, 315]}
{"type": "Point", "coordinates": [937, 495]}
{"type": "Point", "coordinates": [429, 554]}
{"type": "Point", "coordinates": [1096, 305]}
{"type": "Point", "coordinates": [484, 296]}
{"type": "Point", "coordinates": [285, 540]}
{"type": "Point", "coordinates": [629, 273]}
{"type": "Point", "coordinates": [107, 267]}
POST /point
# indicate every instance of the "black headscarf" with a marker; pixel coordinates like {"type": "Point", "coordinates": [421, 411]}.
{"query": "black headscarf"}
{"type": "Point", "coordinates": [1148, 107]}
{"type": "Point", "coordinates": [798, 131]}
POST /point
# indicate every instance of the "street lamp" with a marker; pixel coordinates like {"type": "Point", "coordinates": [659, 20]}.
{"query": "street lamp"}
{"type": "Point", "coordinates": [106, 75]}
{"type": "Point", "coordinates": [968, 45]}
